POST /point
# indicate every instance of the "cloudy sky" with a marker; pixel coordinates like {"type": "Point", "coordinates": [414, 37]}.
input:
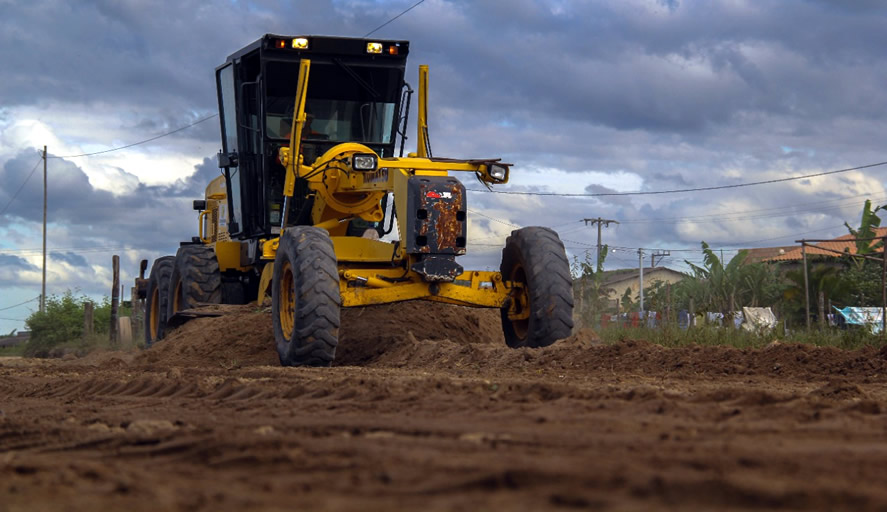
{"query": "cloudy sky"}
{"type": "Point", "coordinates": [582, 96]}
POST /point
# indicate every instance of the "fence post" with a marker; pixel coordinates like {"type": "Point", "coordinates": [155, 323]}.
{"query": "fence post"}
{"type": "Point", "coordinates": [88, 325]}
{"type": "Point", "coordinates": [115, 298]}
{"type": "Point", "coordinates": [883, 288]}
{"type": "Point", "coordinates": [668, 304]}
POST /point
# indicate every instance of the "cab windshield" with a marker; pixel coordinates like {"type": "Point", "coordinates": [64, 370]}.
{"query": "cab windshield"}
{"type": "Point", "coordinates": [346, 103]}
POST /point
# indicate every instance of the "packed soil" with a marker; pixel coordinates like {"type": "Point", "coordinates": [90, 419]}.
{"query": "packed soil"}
{"type": "Point", "coordinates": [427, 409]}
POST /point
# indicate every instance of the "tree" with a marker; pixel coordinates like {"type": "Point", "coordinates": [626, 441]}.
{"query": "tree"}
{"type": "Point", "coordinates": [592, 297]}
{"type": "Point", "coordinates": [868, 225]}
{"type": "Point", "coordinates": [626, 302]}
{"type": "Point", "coordinates": [827, 280]}
{"type": "Point", "coordinates": [62, 322]}
{"type": "Point", "coordinates": [715, 286]}
{"type": "Point", "coordinates": [725, 283]}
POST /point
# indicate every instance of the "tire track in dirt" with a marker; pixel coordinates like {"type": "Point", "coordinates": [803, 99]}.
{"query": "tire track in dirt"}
{"type": "Point", "coordinates": [433, 412]}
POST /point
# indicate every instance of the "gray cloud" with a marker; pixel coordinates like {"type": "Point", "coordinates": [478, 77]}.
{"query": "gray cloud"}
{"type": "Point", "coordinates": [10, 262]}
{"type": "Point", "coordinates": [73, 259]}
{"type": "Point", "coordinates": [682, 94]}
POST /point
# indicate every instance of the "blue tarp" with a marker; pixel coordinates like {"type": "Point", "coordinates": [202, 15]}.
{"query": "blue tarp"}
{"type": "Point", "coordinates": [870, 317]}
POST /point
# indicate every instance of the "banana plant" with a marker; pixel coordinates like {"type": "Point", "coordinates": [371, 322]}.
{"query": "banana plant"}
{"type": "Point", "coordinates": [867, 229]}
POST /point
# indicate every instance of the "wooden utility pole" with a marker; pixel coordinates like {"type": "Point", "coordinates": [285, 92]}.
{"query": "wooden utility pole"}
{"type": "Point", "coordinates": [658, 254]}
{"type": "Point", "coordinates": [641, 279]}
{"type": "Point", "coordinates": [600, 222]}
{"type": "Point", "coordinates": [115, 298]}
{"type": "Point", "coordinates": [43, 289]}
{"type": "Point", "coordinates": [806, 283]}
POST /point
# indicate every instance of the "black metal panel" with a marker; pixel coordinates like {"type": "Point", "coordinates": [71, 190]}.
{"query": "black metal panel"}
{"type": "Point", "coordinates": [435, 216]}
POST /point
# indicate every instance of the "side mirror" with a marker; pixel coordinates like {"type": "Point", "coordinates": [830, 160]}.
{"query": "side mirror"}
{"type": "Point", "coordinates": [200, 204]}
{"type": "Point", "coordinates": [227, 160]}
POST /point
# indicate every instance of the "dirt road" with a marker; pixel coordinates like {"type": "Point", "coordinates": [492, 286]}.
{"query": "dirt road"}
{"type": "Point", "coordinates": [429, 411]}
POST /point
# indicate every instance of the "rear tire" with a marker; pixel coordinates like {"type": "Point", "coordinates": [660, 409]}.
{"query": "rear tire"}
{"type": "Point", "coordinates": [156, 299]}
{"type": "Point", "coordinates": [195, 279]}
{"type": "Point", "coordinates": [535, 257]}
{"type": "Point", "coordinates": [305, 298]}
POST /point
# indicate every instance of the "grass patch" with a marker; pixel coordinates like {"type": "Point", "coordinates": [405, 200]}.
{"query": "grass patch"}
{"type": "Point", "coordinates": [853, 338]}
{"type": "Point", "coordinates": [17, 351]}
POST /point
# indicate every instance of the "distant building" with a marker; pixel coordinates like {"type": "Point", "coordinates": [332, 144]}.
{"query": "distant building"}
{"type": "Point", "coordinates": [617, 281]}
{"type": "Point", "coordinates": [792, 253]}
{"type": "Point", "coordinates": [13, 341]}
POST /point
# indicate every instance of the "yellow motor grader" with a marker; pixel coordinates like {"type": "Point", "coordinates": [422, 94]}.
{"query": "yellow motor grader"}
{"type": "Point", "coordinates": [310, 191]}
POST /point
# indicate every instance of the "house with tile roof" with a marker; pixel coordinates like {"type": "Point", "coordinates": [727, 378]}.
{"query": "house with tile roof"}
{"type": "Point", "coordinates": [832, 249]}
{"type": "Point", "coordinates": [617, 281]}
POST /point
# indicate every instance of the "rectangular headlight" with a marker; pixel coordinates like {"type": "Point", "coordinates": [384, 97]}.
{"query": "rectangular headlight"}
{"type": "Point", "coordinates": [498, 172]}
{"type": "Point", "coordinates": [374, 47]}
{"type": "Point", "coordinates": [300, 43]}
{"type": "Point", "coordinates": [364, 162]}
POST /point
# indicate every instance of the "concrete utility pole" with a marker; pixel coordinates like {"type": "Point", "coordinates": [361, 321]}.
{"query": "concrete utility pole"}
{"type": "Point", "coordinates": [43, 290]}
{"type": "Point", "coordinates": [600, 222]}
{"type": "Point", "coordinates": [641, 277]}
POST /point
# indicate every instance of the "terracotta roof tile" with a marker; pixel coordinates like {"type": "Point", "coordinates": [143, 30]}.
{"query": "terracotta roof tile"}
{"type": "Point", "coordinates": [793, 253]}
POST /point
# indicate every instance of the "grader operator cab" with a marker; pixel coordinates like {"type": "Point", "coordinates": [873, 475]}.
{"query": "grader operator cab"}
{"type": "Point", "coordinates": [309, 188]}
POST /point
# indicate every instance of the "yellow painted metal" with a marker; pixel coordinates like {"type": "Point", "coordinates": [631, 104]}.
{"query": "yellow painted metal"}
{"type": "Point", "coordinates": [473, 288]}
{"type": "Point", "coordinates": [216, 189]}
{"type": "Point", "coordinates": [265, 283]}
{"type": "Point", "coordinates": [287, 300]}
{"type": "Point", "coordinates": [332, 223]}
{"type": "Point", "coordinates": [371, 281]}
{"type": "Point", "coordinates": [400, 178]}
{"type": "Point", "coordinates": [269, 248]}
{"type": "Point", "coordinates": [200, 220]}
{"type": "Point", "coordinates": [228, 254]}
{"type": "Point", "coordinates": [342, 194]}
{"type": "Point", "coordinates": [296, 132]}
{"type": "Point", "coordinates": [422, 124]}
{"type": "Point", "coordinates": [363, 250]}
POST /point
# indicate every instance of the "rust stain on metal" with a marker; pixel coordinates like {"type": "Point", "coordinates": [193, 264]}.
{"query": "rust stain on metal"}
{"type": "Point", "coordinates": [447, 226]}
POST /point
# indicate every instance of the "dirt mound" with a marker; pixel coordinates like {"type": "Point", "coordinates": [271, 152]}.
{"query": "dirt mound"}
{"type": "Point", "coordinates": [403, 332]}
{"type": "Point", "coordinates": [428, 335]}
{"type": "Point", "coordinates": [244, 337]}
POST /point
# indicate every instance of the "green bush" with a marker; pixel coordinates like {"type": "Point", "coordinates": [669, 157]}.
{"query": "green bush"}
{"type": "Point", "coordinates": [62, 323]}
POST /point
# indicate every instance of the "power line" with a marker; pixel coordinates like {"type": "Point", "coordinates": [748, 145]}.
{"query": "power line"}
{"type": "Point", "coordinates": [13, 319]}
{"type": "Point", "coordinates": [368, 34]}
{"type": "Point", "coordinates": [781, 211]}
{"type": "Point", "coordinates": [75, 250]}
{"type": "Point", "coordinates": [21, 187]}
{"type": "Point", "coordinates": [677, 191]}
{"type": "Point", "coordinates": [20, 304]}
{"type": "Point", "coordinates": [177, 130]}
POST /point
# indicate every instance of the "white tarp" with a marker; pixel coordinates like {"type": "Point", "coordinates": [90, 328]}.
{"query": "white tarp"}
{"type": "Point", "coordinates": [758, 319]}
{"type": "Point", "coordinates": [870, 317]}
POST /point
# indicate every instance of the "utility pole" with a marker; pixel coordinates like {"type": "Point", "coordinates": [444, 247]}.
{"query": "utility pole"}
{"type": "Point", "coordinates": [43, 290]}
{"type": "Point", "coordinates": [641, 277]}
{"type": "Point", "coordinates": [806, 283]}
{"type": "Point", "coordinates": [658, 254]}
{"type": "Point", "coordinates": [600, 222]}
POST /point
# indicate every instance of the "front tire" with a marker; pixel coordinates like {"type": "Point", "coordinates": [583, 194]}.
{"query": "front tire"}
{"type": "Point", "coordinates": [305, 298]}
{"type": "Point", "coordinates": [157, 298]}
{"type": "Point", "coordinates": [195, 279]}
{"type": "Point", "coordinates": [541, 306]}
